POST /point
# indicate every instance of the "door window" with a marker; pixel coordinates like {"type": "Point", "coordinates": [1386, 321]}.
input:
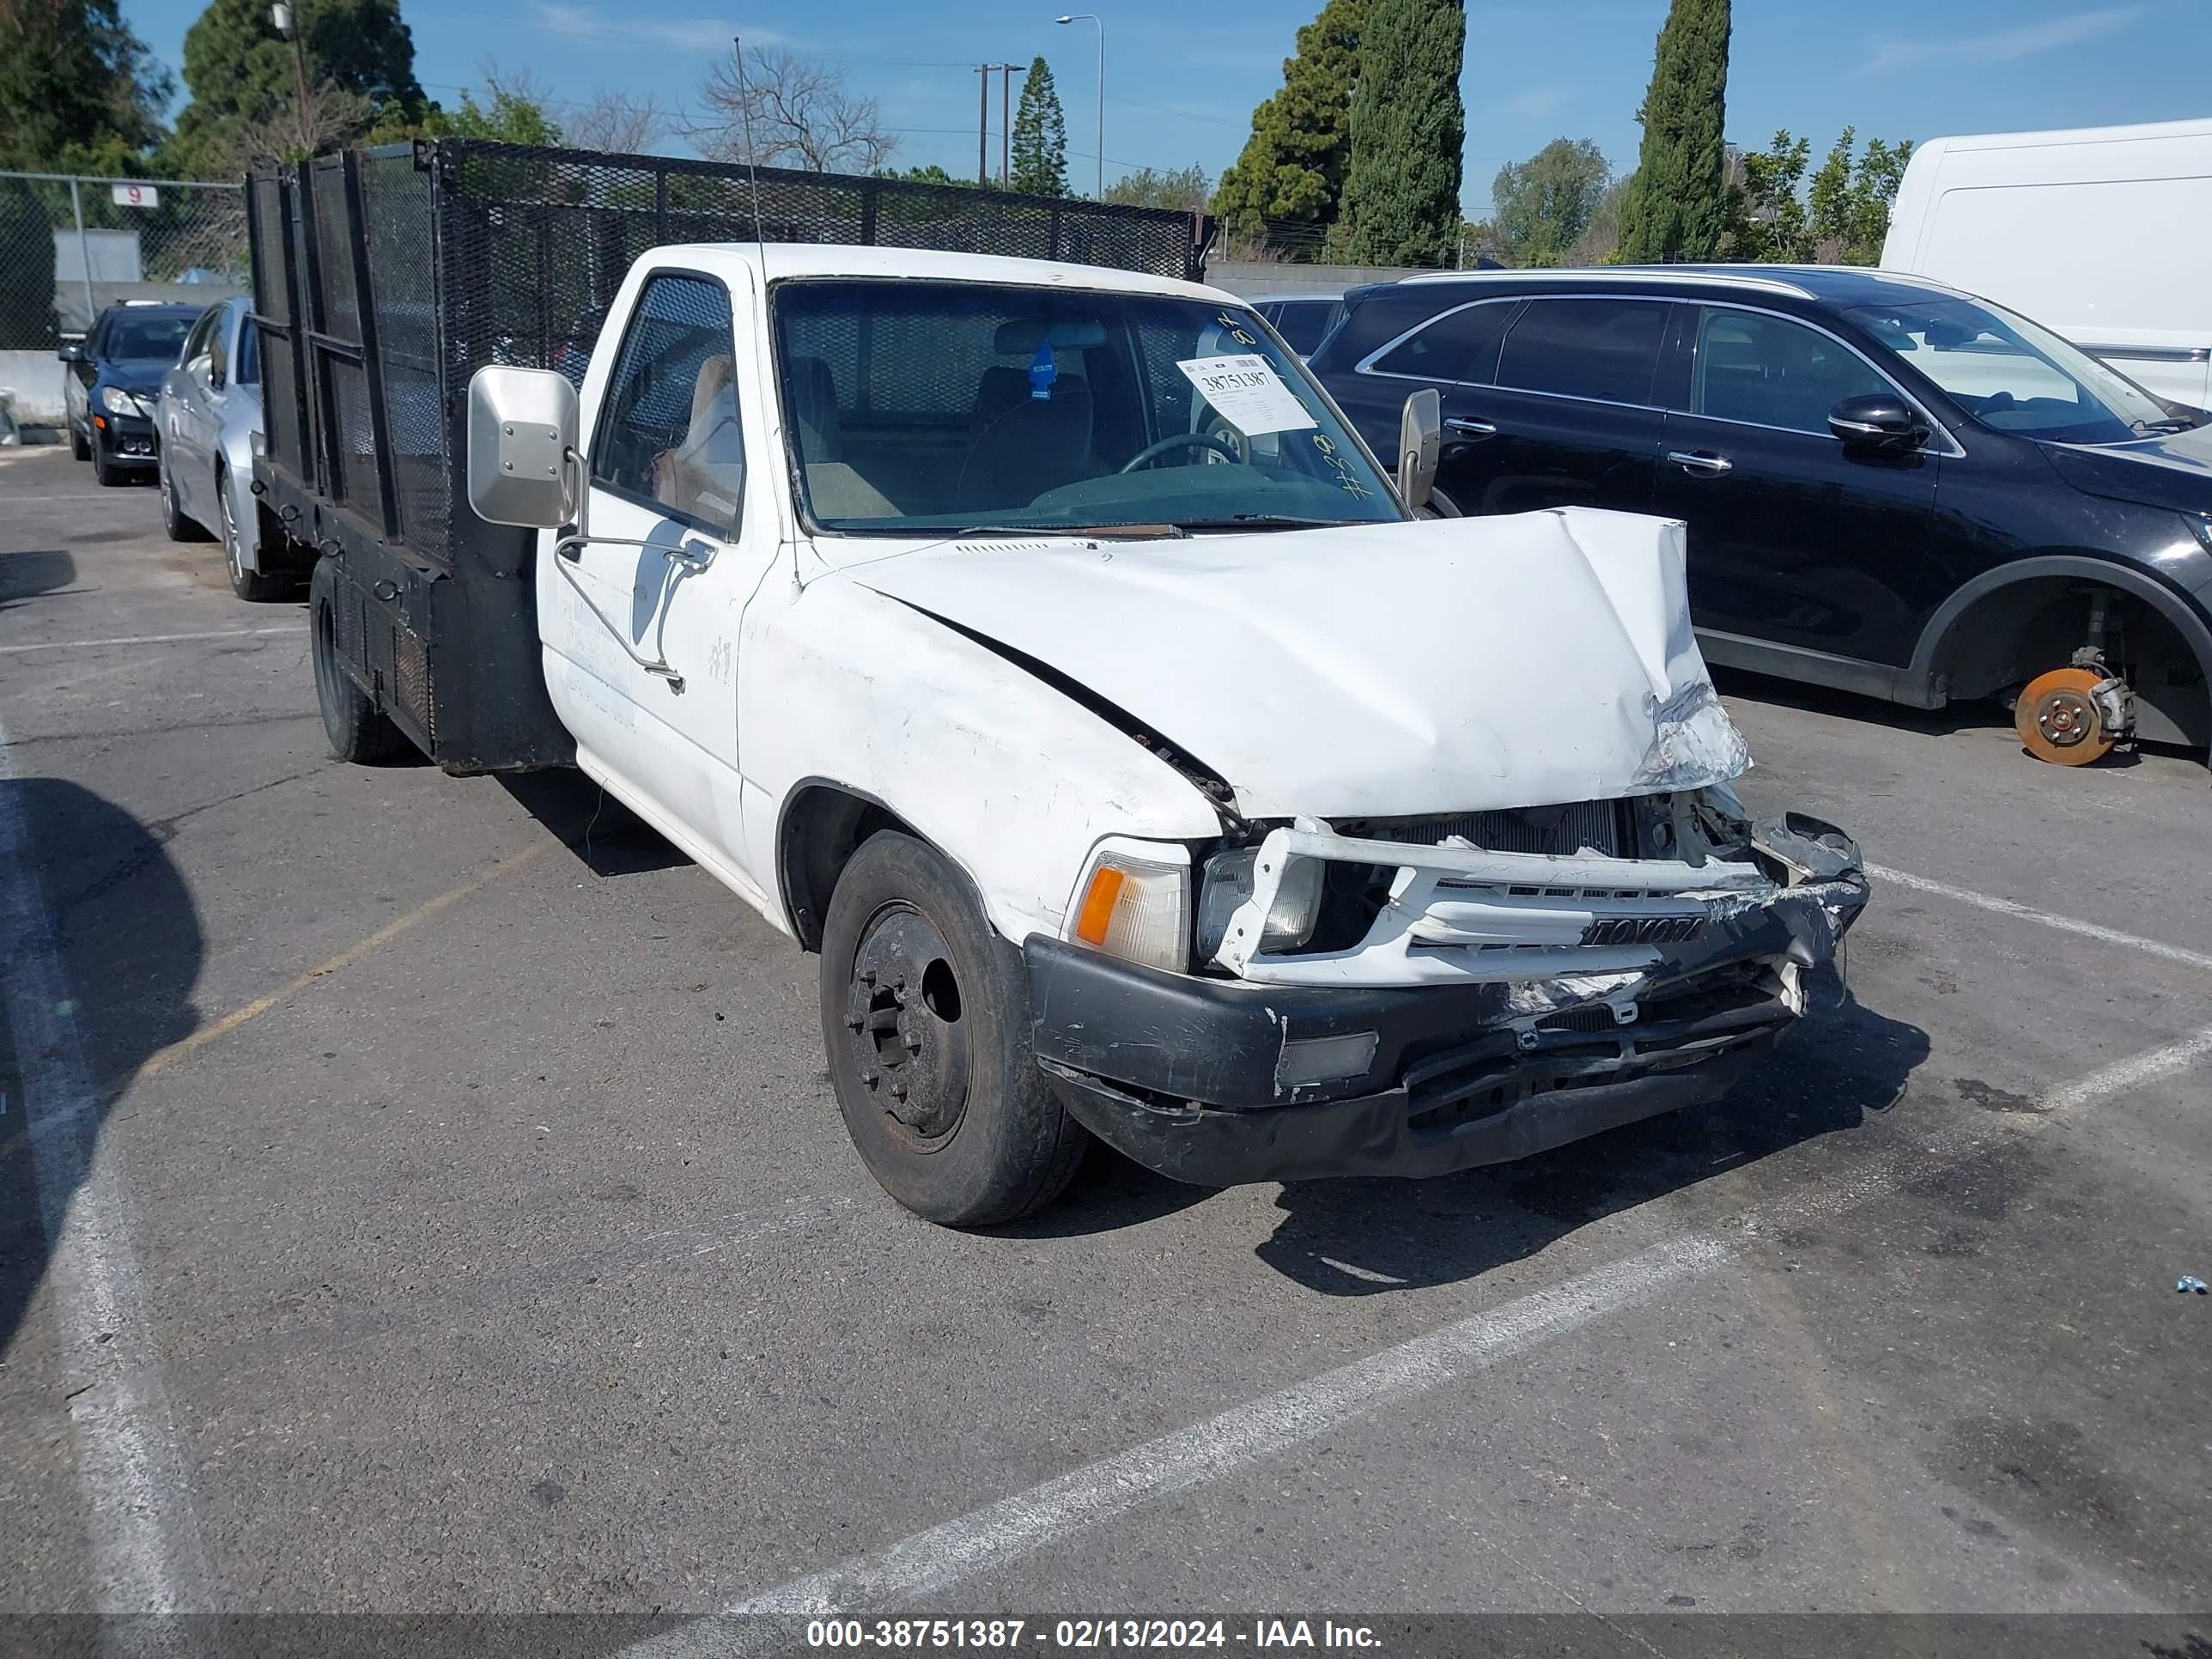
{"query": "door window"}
{"type": "Point", "coordinates": [1606, 350]}
{"type": "Point", "coordinates": [1459, 345]}
{"type": "Point", "coordinates": [218, 355]}
{"type": "Point", "coordinates": [668, 437]}
{"type": "Point", "coordinates": [196, 342]}
{"type": "Point", "coordinates": [1303, 322]}
{"type": "Point", "coordinates": [1769, 371]}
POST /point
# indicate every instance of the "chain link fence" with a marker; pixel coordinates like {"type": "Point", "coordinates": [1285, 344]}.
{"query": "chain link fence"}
{"type": "Point", "coordinates": [71, 246]}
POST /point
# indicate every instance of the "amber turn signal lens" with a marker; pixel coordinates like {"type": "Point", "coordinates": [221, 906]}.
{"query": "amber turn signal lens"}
{"type": "Point", "coordinates": [1097, 916]}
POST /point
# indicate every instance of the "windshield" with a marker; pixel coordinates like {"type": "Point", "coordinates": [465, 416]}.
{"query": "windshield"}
{"type": "Point", "coordinates": [919, 406]}
{"type": "Point", "coordinates": [131, 339]}
{"type": "Point", "coordinates": [2013, 374]}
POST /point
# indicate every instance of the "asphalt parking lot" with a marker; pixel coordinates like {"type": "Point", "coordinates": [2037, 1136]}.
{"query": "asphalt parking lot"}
{"type": "Point", "coordinates": [423, 1195]}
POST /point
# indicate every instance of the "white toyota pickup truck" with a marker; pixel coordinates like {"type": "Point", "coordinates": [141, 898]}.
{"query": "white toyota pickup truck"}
{"type": "Point", "coordinates": [1037, 644]}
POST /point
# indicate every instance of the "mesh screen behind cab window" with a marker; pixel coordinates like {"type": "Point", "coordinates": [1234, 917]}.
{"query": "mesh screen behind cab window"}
{"type": "Point", "coordinates": [670, 434]}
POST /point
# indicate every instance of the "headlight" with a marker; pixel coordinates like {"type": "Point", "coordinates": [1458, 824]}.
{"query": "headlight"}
{"type": "Point", "coordinates": [1229, 881]}
{"type": "Point", "coordinates": [1135, 905]}
{"type": "Point", "coordinates": [116, 401]}
{"type": "Point", "coordinates": [2200, 525]}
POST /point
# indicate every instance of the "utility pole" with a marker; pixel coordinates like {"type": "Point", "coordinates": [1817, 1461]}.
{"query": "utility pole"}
{"type": "Point", "coordinates": [285, 17]}
{"type": "Point", "coordinates": [983, 123]}
{"type": "Point", "coordinates": [1006, 125]}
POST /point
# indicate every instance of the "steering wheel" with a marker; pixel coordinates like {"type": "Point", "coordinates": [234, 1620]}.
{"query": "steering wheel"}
{"type": "Point", "coordinates": [1152, 452]}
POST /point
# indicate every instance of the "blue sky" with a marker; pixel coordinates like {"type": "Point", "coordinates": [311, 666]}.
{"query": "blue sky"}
{"type": "Point", "coordinates": [1182, 78]}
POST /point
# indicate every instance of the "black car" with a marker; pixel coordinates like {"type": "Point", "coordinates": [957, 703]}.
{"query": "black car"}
{"type": "Point", "coordinates": [1891, 487]}
{"type": "Point", "coordinates": [114, 378]}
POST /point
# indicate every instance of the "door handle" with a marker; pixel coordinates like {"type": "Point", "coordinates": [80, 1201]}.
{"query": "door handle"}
{"type": "Point", "coordinates": [1700, 461]}
{"type": "Point", "coordinates": [1467, 428]}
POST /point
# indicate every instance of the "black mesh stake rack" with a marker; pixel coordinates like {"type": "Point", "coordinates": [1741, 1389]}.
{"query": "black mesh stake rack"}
{"type": "Point", "coordinates": [384, 278]}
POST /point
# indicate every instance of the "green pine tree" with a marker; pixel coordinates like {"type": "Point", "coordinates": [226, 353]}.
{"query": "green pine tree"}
{"type": "Point", "coordinates": [1401, 190]}
{"type": "Point", "coordinates": [239, 70]}
{"type": "Point", "coordinates": [76, 87]}
{"type": "Point", "coordinates": [1040, 136]}
{"type": "Point", "coordinates": [1678, 207]}
{"type": "Point", "coordinates": [1287, 184]}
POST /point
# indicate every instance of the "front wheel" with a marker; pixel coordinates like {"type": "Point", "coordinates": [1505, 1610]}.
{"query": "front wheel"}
{"type": "Point", "coordinates": [254, 586]}
{"type": "Point", "coordinates": [80, 446]}
{"type": "Point", "coordinates": [924, 1015]}
{"type": "Point", "coordinates": [357, 729]}
{"type": "Point", "coordinates": [176, 525]}
{"type": "Point", "coordinates": [105, 473]}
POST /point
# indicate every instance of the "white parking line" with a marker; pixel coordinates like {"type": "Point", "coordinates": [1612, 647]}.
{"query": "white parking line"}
{"type": "Point", "coordinates": [148, 639]}
{"type": "Point", "coordinates": [946, 1554]}
{"type": "Point", "coordinates": [2126, 1074]}
{"type": "Point", "coordinates": [144, 1538]}
{"type": "Point", "coordinates": [2005, 906]}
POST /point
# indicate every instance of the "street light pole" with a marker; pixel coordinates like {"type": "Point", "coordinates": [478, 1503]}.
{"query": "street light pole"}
{"type": "Point", "coordinates": [1093, 17]}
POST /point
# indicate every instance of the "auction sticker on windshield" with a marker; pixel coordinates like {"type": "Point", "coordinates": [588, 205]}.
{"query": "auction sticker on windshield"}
{"type": "Point", "coordinates": [1248, 393]}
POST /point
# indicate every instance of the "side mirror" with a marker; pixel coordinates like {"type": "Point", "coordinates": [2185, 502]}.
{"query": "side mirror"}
{"type": "Point", "coordinates": [1876, 421]}
{"type": "Point", "coordinates": [1420, 430]}
{"type": "Point", "coordinates": [522, 433]}
{"type": "Point", "coordinates": [70, 351]}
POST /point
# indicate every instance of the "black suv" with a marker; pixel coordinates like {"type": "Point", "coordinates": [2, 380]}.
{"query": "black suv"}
{"type": "Point", "coordinates": [1891, 487]}
{"type": "Point", "coordinates": [114, 380]}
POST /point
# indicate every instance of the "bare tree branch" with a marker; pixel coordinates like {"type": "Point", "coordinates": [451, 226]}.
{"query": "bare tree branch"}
{"type": "Point", "coordinates": [802, 115]}
{"type": "Point", "coordinates": [614, 122]}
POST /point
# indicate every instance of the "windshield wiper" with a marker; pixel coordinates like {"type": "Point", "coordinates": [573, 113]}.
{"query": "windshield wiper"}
{"type": "Point", "coordinates": [1262, 521]}
{"type": "Point", "coordinates": [2171, 424]}
{"type": "Point", "coordinates": [1132, 530]}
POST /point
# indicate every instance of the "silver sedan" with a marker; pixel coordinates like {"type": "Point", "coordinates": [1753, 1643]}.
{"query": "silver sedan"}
{"type": "Point", "coordinates": [208, 416]}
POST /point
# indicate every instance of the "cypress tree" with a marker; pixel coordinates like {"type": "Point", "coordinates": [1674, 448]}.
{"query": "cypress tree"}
{"type": "Point", "coordinates": [1401, 191]}
{"type": "Point", "coordinates": [1678, 203]}
{"type": "Point", "coordinates": [1287, 182]}
{"type": "Point", "coordinates": [1040, 136]}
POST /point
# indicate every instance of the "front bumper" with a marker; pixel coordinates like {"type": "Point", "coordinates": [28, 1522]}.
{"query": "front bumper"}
{"type": "Point", "coordinates": [1199, 1078]}
{"type": "Point", "coordinates": [129, 439]}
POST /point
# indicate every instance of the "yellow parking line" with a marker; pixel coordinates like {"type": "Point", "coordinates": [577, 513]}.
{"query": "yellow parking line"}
{"type": "Point", "coordinates": [162, 1058]}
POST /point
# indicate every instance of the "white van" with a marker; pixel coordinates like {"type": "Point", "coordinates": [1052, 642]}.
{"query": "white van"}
{"type": "Point", "coordinates": [2091, 231]}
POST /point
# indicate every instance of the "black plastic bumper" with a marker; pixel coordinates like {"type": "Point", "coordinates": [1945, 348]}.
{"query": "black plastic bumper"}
{"type": "Point", "coordinates": [1186, 1075]}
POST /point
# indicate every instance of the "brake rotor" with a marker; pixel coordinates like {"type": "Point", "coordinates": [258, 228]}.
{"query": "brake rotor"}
{"type": "Point", "coordinates": [2057, 721]}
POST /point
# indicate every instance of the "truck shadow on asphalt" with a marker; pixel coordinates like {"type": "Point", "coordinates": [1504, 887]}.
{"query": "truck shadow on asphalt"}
{"type": "Point", "coordinates": [1372, 1236]}
{"type": "Point", "coordinates": [606, 837]}
{"type": "Point", "coordinates": [27, 574]}
{"type": "Point", "coordinates": [1365, 1238]}
{"type": "Point", "coordinates": [114, 912]}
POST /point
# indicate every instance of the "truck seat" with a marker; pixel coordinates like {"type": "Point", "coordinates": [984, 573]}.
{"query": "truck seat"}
{"type": "Point", "coordinates": [1019, 447]}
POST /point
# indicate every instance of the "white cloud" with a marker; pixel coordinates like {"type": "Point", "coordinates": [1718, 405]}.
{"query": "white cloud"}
{"type": "Point", "coordinates": [2001, 45]}
{"type": "Point", "coordinates": [1531, 102]}
{"type": "Point", "coordinates": [682, 34]}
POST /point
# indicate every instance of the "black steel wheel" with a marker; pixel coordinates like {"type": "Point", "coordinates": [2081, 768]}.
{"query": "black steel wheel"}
{"type": "Point", "coordinates": [357, 729]}
{"type": "Point", "coordinates": [924, 1018]}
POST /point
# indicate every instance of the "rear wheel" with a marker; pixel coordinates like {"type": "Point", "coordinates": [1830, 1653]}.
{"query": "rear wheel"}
{"type": "Point", "coordinates": [358, 732]}
{"type": "Point", "coordinates": [2058, 720]}
{"type": "Point", "coordinates": [255, 587]}
{"type": "Point", "coordinates": [174, 523]}
{"type": "Point", "coordinates": [924, 1015]}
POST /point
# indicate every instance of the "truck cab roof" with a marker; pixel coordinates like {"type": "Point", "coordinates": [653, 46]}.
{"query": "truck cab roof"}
{"type": "Point", "coordinates": [778, 261]}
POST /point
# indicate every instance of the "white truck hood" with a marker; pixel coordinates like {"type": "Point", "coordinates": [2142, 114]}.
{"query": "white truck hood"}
{"type": "Point", "coordinates": [1451, 666]}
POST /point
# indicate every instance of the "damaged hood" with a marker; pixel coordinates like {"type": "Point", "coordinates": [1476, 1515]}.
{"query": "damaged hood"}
{"type": "Point", "coordinates": [1372, 670]}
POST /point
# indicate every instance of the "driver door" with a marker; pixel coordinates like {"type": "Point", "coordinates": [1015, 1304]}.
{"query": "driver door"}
{"type": "Point", "coordinates": [645, 614]}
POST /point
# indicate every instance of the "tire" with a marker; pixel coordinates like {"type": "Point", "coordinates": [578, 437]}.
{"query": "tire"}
{"type": "Point", "coordinates": [925, 1019]}
{"type": "Point", "coordinates": [358, 732]}
{"type": "Point", "coordinates": [105, 473]}
{"type": "Point", "coordinates": [176, 524]}
{"type": "Point", "coordinates": [79, 446]}
{"type": "Point", "coordinates": [254, 586]}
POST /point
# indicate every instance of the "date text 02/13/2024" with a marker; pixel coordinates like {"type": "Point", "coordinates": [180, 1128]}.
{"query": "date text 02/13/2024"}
{"type": "Point", "coordinates": [1083, 1635]}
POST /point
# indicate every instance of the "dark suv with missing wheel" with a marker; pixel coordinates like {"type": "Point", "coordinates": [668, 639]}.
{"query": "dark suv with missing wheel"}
{"type": "Point", "coordinates": [1891, 487]}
